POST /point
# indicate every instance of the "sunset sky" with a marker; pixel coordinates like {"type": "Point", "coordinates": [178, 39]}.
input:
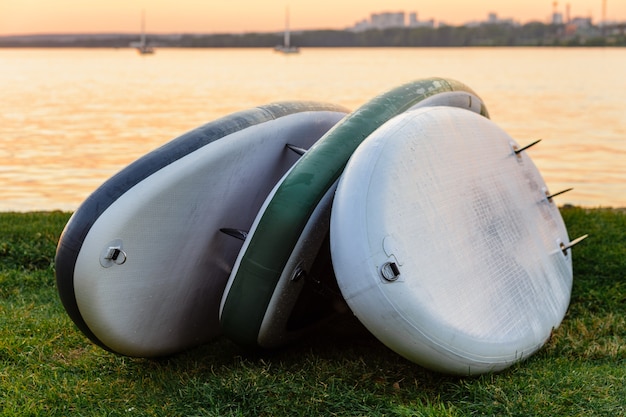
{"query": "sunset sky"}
{"type": "Point", "coordinates": [210, 16]}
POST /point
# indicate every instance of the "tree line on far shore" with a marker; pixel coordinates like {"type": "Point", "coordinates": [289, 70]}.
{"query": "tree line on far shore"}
{"type": "Point", "coordinates": [530, 34]}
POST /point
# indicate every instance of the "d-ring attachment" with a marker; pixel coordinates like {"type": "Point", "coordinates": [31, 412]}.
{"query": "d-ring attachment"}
{"type": "Point", "coordinates": [113, 254]}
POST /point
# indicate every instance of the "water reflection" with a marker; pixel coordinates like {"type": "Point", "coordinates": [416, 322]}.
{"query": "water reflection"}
{"type": "Point", "coordinates": [71, 118]}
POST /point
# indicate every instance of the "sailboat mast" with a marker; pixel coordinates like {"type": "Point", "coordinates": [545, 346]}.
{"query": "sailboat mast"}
{"type": "Point", "coordinates": [286, 40]}
{"type": "Point", "coordinates": [143, 27]}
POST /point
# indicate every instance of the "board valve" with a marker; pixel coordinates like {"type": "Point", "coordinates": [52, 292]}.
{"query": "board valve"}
{"type": "Point", "coordinates": [390, 271]}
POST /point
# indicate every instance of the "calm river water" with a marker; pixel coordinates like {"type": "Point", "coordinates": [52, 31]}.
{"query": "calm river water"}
{"type": "Point", "coordinates": [71, 118]}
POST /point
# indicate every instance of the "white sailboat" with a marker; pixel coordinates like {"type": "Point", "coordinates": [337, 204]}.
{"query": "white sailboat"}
{"type": "Point", "coordinates": [142, 46]}
{"type": "Point", "coordinates": [286, 47]}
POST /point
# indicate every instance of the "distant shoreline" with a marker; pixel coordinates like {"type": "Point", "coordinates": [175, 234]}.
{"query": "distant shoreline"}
{"type": "Point", "coordinates": [531, 34]}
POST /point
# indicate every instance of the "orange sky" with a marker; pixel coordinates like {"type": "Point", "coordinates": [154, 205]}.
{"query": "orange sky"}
{"type": "Point", "coordinates": [209, 16]}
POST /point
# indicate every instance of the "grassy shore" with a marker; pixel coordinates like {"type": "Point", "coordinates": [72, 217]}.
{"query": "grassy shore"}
{"type": "Point", "coordinates": [47, 367]}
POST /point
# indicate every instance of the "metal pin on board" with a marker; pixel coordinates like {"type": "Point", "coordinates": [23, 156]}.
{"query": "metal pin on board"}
{"type": "Point", "coordinates": [300, 151]}
{"type": "Point", "coordinates": [549, 196]}
{"type": "Point", "coordinates": [519, 150]}
{"type": "Point", "coordinates": [573, 243]}
{"type": "Point", "coordinates": [236, 233]}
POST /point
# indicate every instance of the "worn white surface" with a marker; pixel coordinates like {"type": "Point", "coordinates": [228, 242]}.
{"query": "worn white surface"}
{"type": "Point", "coordinates": [440, 193]}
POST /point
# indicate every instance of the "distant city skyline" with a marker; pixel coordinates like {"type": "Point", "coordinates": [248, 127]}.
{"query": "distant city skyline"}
{"type": "Point", "coordinates": [195, 16]}
{"type": "Point", "coordinates": [386, 20]}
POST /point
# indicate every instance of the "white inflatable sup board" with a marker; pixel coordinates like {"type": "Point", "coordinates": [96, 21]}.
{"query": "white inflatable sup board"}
{"type": "Point", "coordinates": [264, 304]}
{"type": "Point", "coordinates": [142, 264]}
{"type": "Point", "coordinates": [445, 244]}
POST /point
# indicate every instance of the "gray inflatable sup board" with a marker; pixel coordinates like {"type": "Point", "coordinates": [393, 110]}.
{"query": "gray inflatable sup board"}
{"type": "Point", "coordinates": [142, 264]}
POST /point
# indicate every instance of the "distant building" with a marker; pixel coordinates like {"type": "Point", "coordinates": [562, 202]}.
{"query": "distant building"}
{"type": "Point", "coordinates": [581, 22]}
{"type": "Point", "coordinates": [387, 20]}
{"type": "Point", "coordinates": [414, 22]}
{"type": "Point", "coordinates": [557, 18]}
{"type": "Point", "coordinates": [492, 19]}
{"type": "Point", "coordinates": [361, 26]}
{"type": "Point", "coordinates": [581, 27]}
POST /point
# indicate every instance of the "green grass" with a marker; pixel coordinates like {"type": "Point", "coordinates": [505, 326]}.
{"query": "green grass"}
{"type": "Point", "coordinates": [47, 367]}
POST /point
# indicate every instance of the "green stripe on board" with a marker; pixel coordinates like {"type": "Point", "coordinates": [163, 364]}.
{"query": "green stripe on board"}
{"type": "Point", "coordinates": [272, 242]}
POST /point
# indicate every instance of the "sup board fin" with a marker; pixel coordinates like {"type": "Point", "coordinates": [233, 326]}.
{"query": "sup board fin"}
{"type": "Point", "coordinates": [520, 150]}
{"type": "Point", "coordinates": [236, 233]}
{"type": "Point", "coordinates": [550, 196]}
{"type": "Point", "coordinates": [300, 151]}
{"type": "Point", "coordinates": [573, 243]}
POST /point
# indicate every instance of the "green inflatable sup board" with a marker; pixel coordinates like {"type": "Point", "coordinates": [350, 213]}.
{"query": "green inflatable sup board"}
{"type": "Point", "coordinates": [282, 281]}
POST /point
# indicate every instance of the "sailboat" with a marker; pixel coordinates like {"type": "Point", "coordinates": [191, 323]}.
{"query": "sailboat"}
{"type": "Point", "coordinates": [142, 46]}
{"type": "Point", "coordinates": [286, 47]}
